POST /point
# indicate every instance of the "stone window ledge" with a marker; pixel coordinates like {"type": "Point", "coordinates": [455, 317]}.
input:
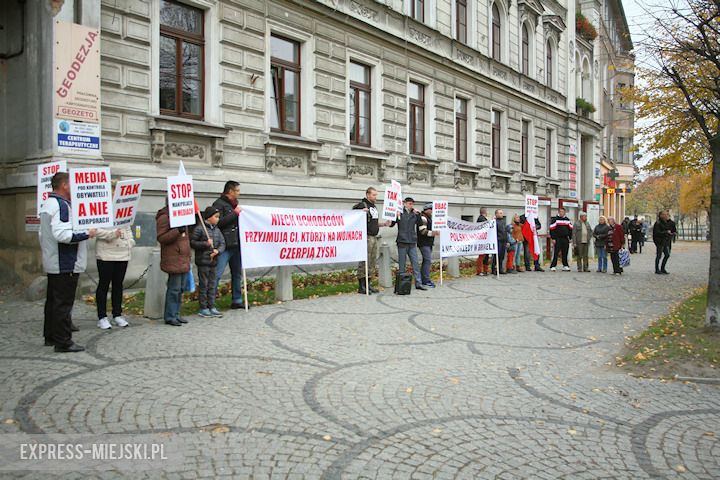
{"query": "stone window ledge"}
{"type": "Point", "coordinates": [291, 154]}
{"type": "Point", "coordinates": [366, 162]}
{"type": "Point", "coordinates": [182, 139]}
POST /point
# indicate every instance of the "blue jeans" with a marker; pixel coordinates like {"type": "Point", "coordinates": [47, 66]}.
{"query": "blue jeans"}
{"type": "Point", "coordinates": [426, 263]}
{"type": "Point", "coordinates": [173, 295]}
{"type": "Point", "coordinates": [602, 258]}
{"type": "Point", "coordinates": [232, 257]}
{"type": "Point", "coordinates": [409, 250]}
{"type": "Point", "coordinates": [518, 249]}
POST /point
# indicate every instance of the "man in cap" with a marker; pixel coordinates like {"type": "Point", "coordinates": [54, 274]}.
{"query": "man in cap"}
{"type": "Point", "coordinates": [426, 240]}
{"type": "Point", "coordinates": [408, 223]}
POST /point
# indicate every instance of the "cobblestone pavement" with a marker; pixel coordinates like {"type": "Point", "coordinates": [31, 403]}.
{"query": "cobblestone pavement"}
{"type": "Point", "coordinates": [481, 378]}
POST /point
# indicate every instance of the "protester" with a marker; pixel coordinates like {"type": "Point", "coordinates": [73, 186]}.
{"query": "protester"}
{"type": "Point", "coordinates": [635, 231]}
{"type": "Point", "coordinates": [175, 261]}
{"type": "Point", "coordinates": [515, 239]}
{"type": "Point", "coordinates": [426, 240]}
{"type": "Point", "coordinates": [663, 233]}
{"type": "Point", "coordinates": [64, 257]}
{"type": "Point", "coordinates": [208, 243]}
{"type": "Point", "coordinates": [229, 210]}
{"type": "Point", "coordinates": [644, 230]}
{"type": "Point", "coordinates": [501, 232]}
{"type": "Point", "coordinates": [615, 241]}
{"type": "Point", "coordinates": [582, 234]}
{"type": "Point", "coordinates": [482, 262]}
{"type": "Point", "coordinates": [408, 223]}
{"type": "Point", "coordinates": [367, 204]}
{"type": "Point", "coordinates": [530, 237]}
{"type": "Point", "coordinates": [112, 251]}
{"type": "Point", "coordinates": [600, 234]}
{"type": "Point", "coordinates": [561, 234]}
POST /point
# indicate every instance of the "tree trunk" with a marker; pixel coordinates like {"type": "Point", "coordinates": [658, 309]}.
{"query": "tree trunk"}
{"type": "Point", "coordinates": [712, 316]}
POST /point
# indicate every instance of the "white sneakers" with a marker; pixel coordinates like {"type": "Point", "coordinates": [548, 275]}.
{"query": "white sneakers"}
{"type": "Point", "coordinates": [553, 269]}
{"type": "Point", "coordinates": [104, 323]}
{"type": "Point", "coordinates": [566, 268]}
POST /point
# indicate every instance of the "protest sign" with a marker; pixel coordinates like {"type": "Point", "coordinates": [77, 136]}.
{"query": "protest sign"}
{"type": "Point", "coordinates": [532, 209]}
{"type": "Point", "coordinates": [125, 202]}
{"type": "Point", "coordinates": [181, 201]}
{"type": "Point", "coordinates": [45, 172]}
{"type": "Point", "coordinates": [272, 236]}
{"type": "Point", "coordinates": [439, 215]}
{"type": "Point", "coordinates": [467, 238]}
{"type": "Point", "coordinates": [392, 205]}
{"type": "Point", "coordinates": [90, 197]}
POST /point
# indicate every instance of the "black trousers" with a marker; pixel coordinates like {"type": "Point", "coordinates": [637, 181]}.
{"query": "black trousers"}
{"type": "Point", "coordinates": [58, 308]}
{"type": "Point", "coordinates": [499, 259]}
{"type": "Point", "coordinates": [662, 250]}
{"type": "Point", "coordinates": [207, 288]}
{"type": "Point", "coordinates": [615, 258]}
{"type": "Point", "coordinates": [561, 246]}
{"type": "Point", "coordinates": [110, 272]}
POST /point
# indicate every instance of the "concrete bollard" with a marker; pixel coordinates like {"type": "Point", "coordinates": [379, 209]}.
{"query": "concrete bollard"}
{"type": "Point", "coordinates": [283, 284]}
{"type": "Point", "coordinates": [385, 267]}
{"type": "Point", "coordinates": [155, 287]}
{"type": "Point", "coordinates": [453, 266]}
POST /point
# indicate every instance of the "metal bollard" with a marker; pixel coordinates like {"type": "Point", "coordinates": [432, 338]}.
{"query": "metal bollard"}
{"type": "Point", "coordinates": [453, 266]}
{"type": "Point", "coordinates": [155, 287]}
{"type": "Point", "coordinates": [384, 267]}
{"type": "Point", "coordinates": [283, 284]}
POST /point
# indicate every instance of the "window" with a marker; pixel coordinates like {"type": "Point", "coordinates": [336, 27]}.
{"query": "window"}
{"type": "Point", "coordinates": [525, 60]}
{"type": "Point", "coordinates": [181, 60]}
{"type": "Point", "coordinates": [621, 150]}
{"type": "Point", "coordinates": [496, 33]}
{"type": "Point", "coordinates": [359, 104]}
{"type": "Point", "coordinates": [285, 96]}
{"type": "Point", "coordinates": [549, 65]}
{"type": "Point", "coordinates": [461, 129]}
{"type": "Point", "coordinates": [461, 20]}
{"type": "Point", "coordinates": [548, 153]}
{"type": "Point", "coordinates": [525, 147]}
{"type": "Point", "coordinates": [417, 10]}
{"type": "Point", "coordinates": [496, 138]}
{"type": "Point", "coordinates": [417, 118]}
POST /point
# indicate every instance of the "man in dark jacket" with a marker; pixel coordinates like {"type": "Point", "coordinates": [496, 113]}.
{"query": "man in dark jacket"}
{"type": "Point", "coordinates": [426, 240]}
{"type": "Point", "coordinates": [408, 223]}
{"type": "Point", "coordinates": [635, 231]}
{"type": "Point", "coordinates": [527, 254]}
{"type": "Point", "coordinates": [561, 230]}
{"type": "Point", "coordinates": [663, 232]}
{"type": "Point", "coordinates": [175, 261]}
{"type": "Point", "coordinates": [501, 232]}
{"type": "Point", "coordinates": [229, 210]}
{"type": "Point", "coordinates": [482, 262]}
{"type": "Point", "coordinates": [367, 204]}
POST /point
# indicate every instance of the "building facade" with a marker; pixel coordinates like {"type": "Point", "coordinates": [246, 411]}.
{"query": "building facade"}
{"type": "Point", "coordinates": [307, 103]}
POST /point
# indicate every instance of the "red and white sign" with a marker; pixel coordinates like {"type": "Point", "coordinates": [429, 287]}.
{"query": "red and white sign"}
{"type": "Point", "coordinates": [573, 176]}
{"type": "Point", "coordinates": [272, 236]}
{"type": "Point", "coordinates": [468, 238]}
{"type": "Point", "coordinates": [125, 202]}
{"type": "Point", "coordinates": [573, 186]}
{"type": "Point", "coordinates": [76, 81]}
{"type": "Point", "coordinates": [45, 173]}
{"type": "Point", "coordinates": [181, 200]}
{"type": "Point", "coordinates": [439, 214]}
{"type": "Point", "coordinates": [573, 167]}
{"type": "Point", "coordinates": [91, 198]}
{"type": "Point", "coordinates": [392, 205]}
{"type": "Point", "coordinates": [532, 209]}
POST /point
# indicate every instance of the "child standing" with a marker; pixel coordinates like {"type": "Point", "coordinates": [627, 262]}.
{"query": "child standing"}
{"type": "Point", "coordinates": [208, 243]}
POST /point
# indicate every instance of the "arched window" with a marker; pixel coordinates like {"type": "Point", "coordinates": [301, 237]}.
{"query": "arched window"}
{"type": "Point", "coordinates": [496, 34]}
{"type": "Point", "coordinates": [549, 64]}
{"type": "Point", "coordinates": [587, 93]}
{"type": "Point", "coordinates": [525, 53]}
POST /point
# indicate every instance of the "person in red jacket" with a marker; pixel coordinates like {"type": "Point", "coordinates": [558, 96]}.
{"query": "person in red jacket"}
{"type": "Point", "coordinates": [615, 241]}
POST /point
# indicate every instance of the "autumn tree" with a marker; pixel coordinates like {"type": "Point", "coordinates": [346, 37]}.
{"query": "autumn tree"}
{"type": "Point", "coordinates": [683, 103]}
{"type": "Point", "coordinates": [655, 193]}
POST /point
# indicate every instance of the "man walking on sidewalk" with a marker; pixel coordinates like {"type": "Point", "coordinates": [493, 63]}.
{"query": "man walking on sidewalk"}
{"type": "Point", "coordinates": [64, 256]}
{"type": "Point", "coordinates": [367, 204]}
{"type": "Point", "coordinates": [561, 233]}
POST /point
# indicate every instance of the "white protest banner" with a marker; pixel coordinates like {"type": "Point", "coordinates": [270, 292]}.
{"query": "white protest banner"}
{"type": "Point", "coordinates": [392, 205]}
{"type": "Point", "coordinates": [181, 201]}
{"type": "Point", "coordinates": [467, 238]}
{"type": "Point", "coordinates": [91, 198]}
{"type": "Point", "coordinates": [532, 209]}
{"type": "Point", "coordinates": [271, 236]}
{"type": "Point", "coordinates": [439, 214]}
{"type": "Point", "coordinates": [45, 172]}
{"type": "Point", "coordinates": [125, 202]}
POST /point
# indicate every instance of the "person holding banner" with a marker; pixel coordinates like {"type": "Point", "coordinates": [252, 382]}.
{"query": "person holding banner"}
{"type": "Point", "coordinates": [502, 242]}
{"type": "Point", "coordinates": [229, 210]}
{"type": "Point", "coordinates": [175, 261]}
{"type": "Point", "coordinates": [112, 252]}
{"type": "Point", "coordinates": [367, 205]}
{"type": "Point", "coordinates": [426, 240]}
{"type": "Point", "coordinates": [481, 265]}
{"type": "Point", "coordinates": [408, 224]}
{"type": "Point", "coordinates": [64, 257]}
{"type": "Point", "coordinates": [530, 238]}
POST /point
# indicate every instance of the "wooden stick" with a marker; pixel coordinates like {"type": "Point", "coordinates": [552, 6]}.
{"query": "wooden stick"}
{"type": "Point", "coordinates": [245, 289]}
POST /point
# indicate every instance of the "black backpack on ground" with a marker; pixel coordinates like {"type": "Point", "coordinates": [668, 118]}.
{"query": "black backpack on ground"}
{"type": "Point", "coordinates": [403, 283]}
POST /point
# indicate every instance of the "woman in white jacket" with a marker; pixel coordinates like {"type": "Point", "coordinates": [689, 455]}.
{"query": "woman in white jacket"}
{"type": "Point", "coordinates": [112, 250]}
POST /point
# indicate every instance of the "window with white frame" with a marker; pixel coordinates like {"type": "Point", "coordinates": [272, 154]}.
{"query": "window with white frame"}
{"type": "Point", "coordinates": [285, 90]}
{"type": "Point", "coordinates": [461, 130]}
{"type": "Point", "coordinates": [461, 21]}
{"type": "Point", "coordinates": [417, 10]}
{"type": "Point", "coordinates": [416, 97]}
{"type": "Point", "coordinates": [525, 50]}
{"type": "Point", "coordinates": [549, 64]}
